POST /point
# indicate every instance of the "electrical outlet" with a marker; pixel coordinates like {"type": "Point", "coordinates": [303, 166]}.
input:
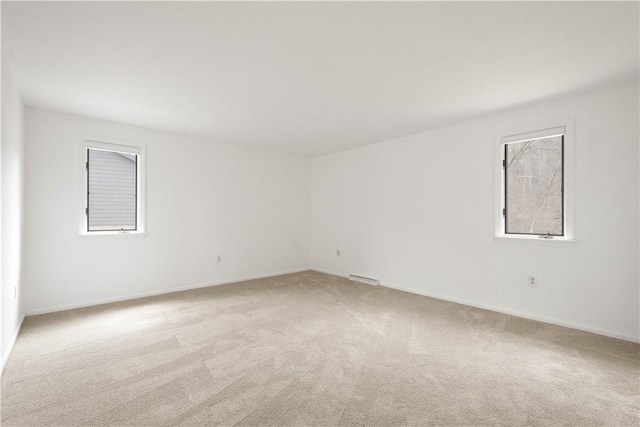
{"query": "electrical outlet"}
{"type": "Point", "coordinates": [219, 259]}
{"type": "Point", "coordinates": [533, 282]}
{"type": "Point", "coordinates": [338, 252]}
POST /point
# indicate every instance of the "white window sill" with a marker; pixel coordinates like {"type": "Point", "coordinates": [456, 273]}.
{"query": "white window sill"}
{"type": "Point", "coordinates": [534, 241]}
{"type": "Point", "coordinates": [112, 233]}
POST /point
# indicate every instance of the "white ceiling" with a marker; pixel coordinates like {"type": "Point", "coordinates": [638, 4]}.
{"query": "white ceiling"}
{"type": "Point", "coordinates": [311, 78]}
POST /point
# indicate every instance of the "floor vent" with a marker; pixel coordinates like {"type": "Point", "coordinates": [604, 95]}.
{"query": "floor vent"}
{"type": "Point", "coordinates": [363, 279]}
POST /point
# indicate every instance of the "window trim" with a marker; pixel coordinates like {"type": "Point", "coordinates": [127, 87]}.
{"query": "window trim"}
{"type": "Point", "coordinates": [88, 211]}
{"type": "Point", "coordinates": [567, 127]}
{"type": "Point", "coordinates": [122, 146]}
{"type": "Point", "coordinates": [505, 193]}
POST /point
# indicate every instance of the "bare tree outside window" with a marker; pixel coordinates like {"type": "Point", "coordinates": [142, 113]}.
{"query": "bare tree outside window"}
{"type": "Point", "coordinates": [534, 187]}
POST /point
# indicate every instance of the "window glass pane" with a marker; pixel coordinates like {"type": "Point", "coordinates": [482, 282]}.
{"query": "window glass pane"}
{"type": "Point", "coordinates": [534, 186]}
{"type": "Point", "coordinates": [112, 190]}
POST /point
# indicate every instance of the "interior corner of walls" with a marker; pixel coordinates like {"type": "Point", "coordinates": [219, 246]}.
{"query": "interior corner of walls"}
{"type": "Point", "coordinates": [331, 272]}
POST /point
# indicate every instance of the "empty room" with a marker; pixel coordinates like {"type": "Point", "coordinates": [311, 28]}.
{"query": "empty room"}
{"type": "Point", "coordinates": [320, 213]}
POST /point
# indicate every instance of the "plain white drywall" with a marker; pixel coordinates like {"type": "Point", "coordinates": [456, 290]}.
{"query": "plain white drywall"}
{"type": "Point", "coordinates": [203, 199]}
{"type": "Point", "coordinates": [417, 213]}
{"type": "Point", "coordinates": [12, 173]}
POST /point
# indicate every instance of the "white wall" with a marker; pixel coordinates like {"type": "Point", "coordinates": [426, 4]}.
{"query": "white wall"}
{"type": "Point", "coordinates": [417, 213]}
{"type": "Point", "coordinates": [203, 200]}
{"type": "Point", "coordinates": [12, 172]}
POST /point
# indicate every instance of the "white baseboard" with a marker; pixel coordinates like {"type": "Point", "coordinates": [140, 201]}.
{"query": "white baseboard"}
{"type": "Point", "coordinates": [159, 292]}
{"type": "Point", "coordinates": [501, 310]}
{"type": "Point", "coordinates": [5, 356]}
{"type": "Point", "coordinates": [519, 314]}
{"type": "Point", "coordinates": [333, 273]}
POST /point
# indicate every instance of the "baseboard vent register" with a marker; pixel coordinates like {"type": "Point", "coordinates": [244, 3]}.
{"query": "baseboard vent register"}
{"type": "Point", "coordinates": [364, 279]}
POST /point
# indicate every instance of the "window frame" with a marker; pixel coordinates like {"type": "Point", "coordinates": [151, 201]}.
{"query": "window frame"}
{"type": "Point", "coordinates": [89, 142]}
{"type": "Point", "coordinates": [566, 127]}
{"type": "Point", "coordinates": [88, 211]}
{"type": "Point", "coordinates": [505, 195]}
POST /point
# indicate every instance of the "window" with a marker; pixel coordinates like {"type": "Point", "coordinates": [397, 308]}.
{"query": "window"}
{"type": "Point", "coordinates": [533, 190]}
{"type": "Point", "coordinates": [113, 188]}
{"type": "Point", "coordinates": [534, 184]}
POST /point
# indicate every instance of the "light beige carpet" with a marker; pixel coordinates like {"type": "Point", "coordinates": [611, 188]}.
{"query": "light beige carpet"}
{"type": "Point", "coordinates": [312, 349]}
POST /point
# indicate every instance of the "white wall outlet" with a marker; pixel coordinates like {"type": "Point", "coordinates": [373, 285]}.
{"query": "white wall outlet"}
{"type": "Point", "coordinates": [533, 282]}
{"type": "Point", "coordinates": [338, 252]}
{"type": "Point", "coordinates": [219, 259]}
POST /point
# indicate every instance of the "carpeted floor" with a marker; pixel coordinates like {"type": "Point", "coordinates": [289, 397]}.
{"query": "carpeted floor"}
{"type": "Point", "coordinates": [312, 349]}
